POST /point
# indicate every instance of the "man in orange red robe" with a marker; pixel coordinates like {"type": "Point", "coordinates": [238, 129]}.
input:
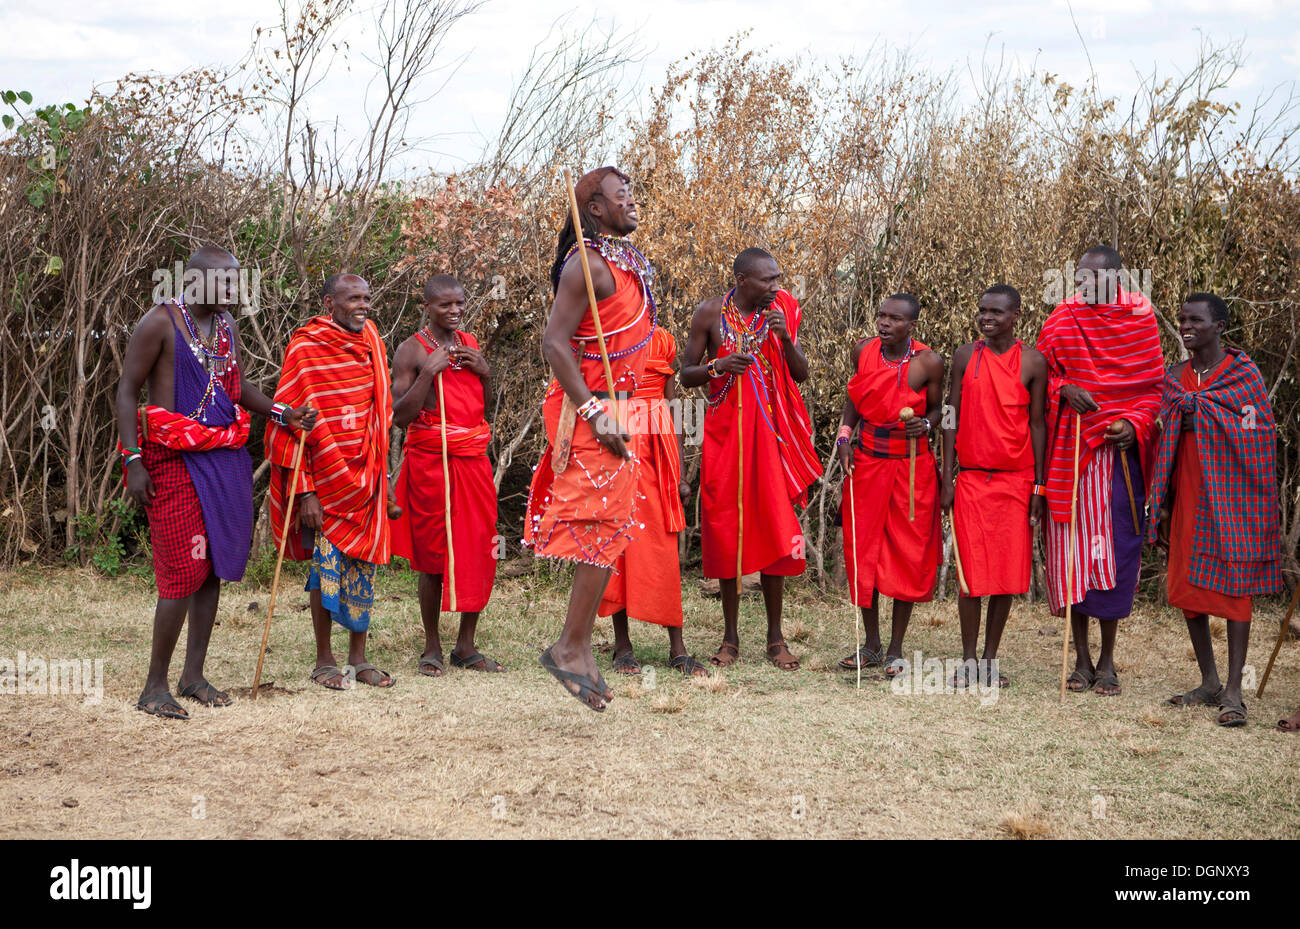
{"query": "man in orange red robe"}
{"type": "Point", "coordinates": [185, 463]}
{"type": "Point", "coordinates": [647, 582]}
{"type": "Point", "coordinates": [1102, 347]}
{"type": "Point", "coordinates": [443, 361]}
{"type": "Point", "coordinates": [745, 346]}
{"type": "Point", "coordinates": [891, 546]}
{"type": "Point", "coordinates": [580, 505]}
{"type": "Point", "coordinates": [1214, 493]}
{"type": "Point", "coordinates": [337, 362]}
{"type": "Point", "coordinates": [994, 428]}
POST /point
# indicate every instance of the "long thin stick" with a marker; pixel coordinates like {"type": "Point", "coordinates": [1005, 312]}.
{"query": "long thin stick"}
{"type": "Point", "coordinates": [853, 527]}
{"type": "Point", "coordinates": [1128, 482]}
{"type": "Point", "coordinates": [284, 538]}
{"type": "Point", "coordinates": [905, 414]}
{"type": "Point", "coordinates": [1069, 555]}
{"type": "Point", "coordinates": [446, 497]}
{"type": "Point", "coordinates": [586, 275]}
{"type": "Point", "coordinates": [740, 472]}
{"type": "Point", "coordinates": [952, 518]}
{"type": "Point", "coordinates": [1281, 636]}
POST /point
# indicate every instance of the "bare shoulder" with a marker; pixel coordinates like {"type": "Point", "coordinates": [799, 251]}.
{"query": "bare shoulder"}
{"type": "Point", "coordinates": [156, 321]}
{"type": "Point", "coordinates": [962, 355]}
{"type": "Point", "coordinates": [1033, 359]}
{"type": "Point", "coordinates": [932, 360]}
{"type": "Point", "coordinates": [855, 354]}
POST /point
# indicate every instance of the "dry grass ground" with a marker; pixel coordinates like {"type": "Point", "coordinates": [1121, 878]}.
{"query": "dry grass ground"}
{"type": "Point", "coordinates": [760, 753]}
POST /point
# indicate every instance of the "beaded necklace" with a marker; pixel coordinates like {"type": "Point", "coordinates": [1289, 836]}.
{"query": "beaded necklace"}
{"type": "Point", "coordinates": [427, 333]}
{"type": "Point", "coordinates": [898, 365]}
{"type": "Point", "coordinates": [622, 253]}
{"type": "Point", "coordinates": [216, 354]}
{"type": "Point", "coordinates": [743, 336]}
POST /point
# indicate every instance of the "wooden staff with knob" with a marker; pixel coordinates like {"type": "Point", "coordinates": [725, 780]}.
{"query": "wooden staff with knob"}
{"type": "Point", "coordinates": [905, 415]}
{"type": "Point", "coordinates": [446, 497]}
{"type": "Point", "coordinates": [284, 539]}
{"type": "Point", "coordinates": [1116, 428]}
{"type": "Point", "coordinates": [1281, 637]}
{"type": "Point", "coordinates": [1069, 555]}
{"type": "Point", "coordinates": [741, 346]}
{"type": "Point", "coordinates": [952, 518]}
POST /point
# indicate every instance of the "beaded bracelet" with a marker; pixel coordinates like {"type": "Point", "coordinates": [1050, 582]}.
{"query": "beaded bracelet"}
{"type": "Point", "coordinates": [279, 412]}
{"type": "Point", "coordinates": [845, 434]}
{"type": "Point", "coordinates": [711, 367]}
{"type": "Point", "coordinates": [1040, 490]}
{"type": "Point", "coordinates": [591, 409]}
{"type": "Point", "coordinates": [133, 456]}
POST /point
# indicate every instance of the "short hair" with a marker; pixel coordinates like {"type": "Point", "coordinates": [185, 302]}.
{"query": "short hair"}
{"type": "Point", "coordinates": [1005, 290]}
{"type": "Point", "coordinates": [911, 301]}
{"type": "Point", "coordinates": [1110, 257]}
{"type": "Point", "coordinates": [439, 283]}
{"type": "Point", "coordinates": [745, 261]}
{"type": "Point", "coordinates": [1218, 309]}
{"type": "Point", "coordinates": [331, 285]}
{"type": "Point", "coordinates": [209, 256]}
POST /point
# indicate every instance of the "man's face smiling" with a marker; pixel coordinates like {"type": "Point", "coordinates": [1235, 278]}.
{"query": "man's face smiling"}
{"type": "Point", "coordinates": [1197, 327]}
{"type": "Point", "coordinates": [1097, 284]}
{"type": "Point", "coordinates": [617, 206]}
{"type": "Point", "coordinates": [445, 308]}
{"type": "Point", "coordinates": [349, 305]}
{"type": "Point", "coordinates": [997, 317]}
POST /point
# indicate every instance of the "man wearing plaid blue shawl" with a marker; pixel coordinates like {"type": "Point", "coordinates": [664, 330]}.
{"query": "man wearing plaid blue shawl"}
{"type": "Point", "coordinates": [1214, 497]}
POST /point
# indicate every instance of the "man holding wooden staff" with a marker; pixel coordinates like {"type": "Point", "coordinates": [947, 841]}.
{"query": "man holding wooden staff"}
{"type": "Point", "coordinates": [440, 390]}
{"type": "Point", "coordinates": [1214, 497]}
{"type": "Point", "coordinates": [184, 462]}
{"type": "Point", "coordinates": [891, 545]}
{"type": "Point", "coordinates": [1104, 364]}
{"type": "Point", "coordinates": [580, 505]}
{"type": "Point", "coordinates": [995, 430]}
{"type": "Point", "coordinates": [336, 362]}
{"type": "Point", "coordinates": [758, 456]}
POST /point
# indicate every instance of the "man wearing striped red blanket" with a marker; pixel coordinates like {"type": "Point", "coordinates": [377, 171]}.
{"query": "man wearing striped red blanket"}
{"type": "Point", "coordinates": [337, 363]}
{"type": "Point", "coordinates": [185, 464]}
{"type": "Point", "coordinates": [1105, 369]}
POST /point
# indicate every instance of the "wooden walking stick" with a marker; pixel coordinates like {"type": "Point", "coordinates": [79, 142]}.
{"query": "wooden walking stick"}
{"type": "Point", "coordinates": [284, 538]}
{"type": "Point", "coordinates": [905, 414]}
{"type": "Point", "coordinates": [1069, 555]}
{"type": "Point", "coordinates": [1281, 636]}
{"type": "Point", "coordinates": [741, 345]}
{"type": "Point", "coordinates": [1115, 429]}
{"type": "Point", "coordinates": [952, 518]}
{"type": "Point", "coordinates": [853, 530]}
{"type": "Point", "coordinates": [446, 497]}
{"type": "Point", "coordinates": [591, 289]}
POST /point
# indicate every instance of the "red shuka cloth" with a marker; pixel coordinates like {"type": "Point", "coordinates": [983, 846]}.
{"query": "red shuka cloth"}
{"type": "Point", "coordinates": [420, 534]}
{"type": "Point", "coordinates": [585, 514]}
{"type": "Point", "coordinates": [779, 462]}
{"type": "Point", "coordinates": [647, 576]}
{"type": "Point", "coordinates": [344, 375]}
{"type": "Point", "coordinates": [1188, 484]}
{"type": "Point", "coordinates": [1113, 352]}
{"type": "Point", "coordinates": [994, 487]}
{"type": "Point", "coordinates": [883, 550]}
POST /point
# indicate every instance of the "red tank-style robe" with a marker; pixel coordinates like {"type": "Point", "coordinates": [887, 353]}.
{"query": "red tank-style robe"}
{"type": "Point", "coordinates": [779, 463]}
{"type": "Point", "coordinates": [420, 534]}
{"type": "Point", "coordinates": [647, 576]}
{"type": "Point", "coordinates": [883, 550]}
{"type": "Point", "coordinates": [996, 481]}
{"type": "Point", "coordinates": [585, 514]}
{"type": "Point", "coordinates": [1188, 486]}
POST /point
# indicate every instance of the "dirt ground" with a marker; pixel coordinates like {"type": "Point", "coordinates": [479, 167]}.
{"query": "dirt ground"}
{"type": "Point", "coordinates": [756, 753]}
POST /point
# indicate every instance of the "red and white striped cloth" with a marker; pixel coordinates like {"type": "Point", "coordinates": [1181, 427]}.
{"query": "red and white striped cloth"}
{"type": "Point", "coordinates": [1094, 550]}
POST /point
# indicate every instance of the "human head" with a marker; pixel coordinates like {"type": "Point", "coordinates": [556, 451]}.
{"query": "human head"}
{"type": "Point", "coordinates": [1097, 275]}
{"type": "Point", "coordinates": [444, 301]}
{"type": "Point", "coordinates": [211, 279]}
{"type": "Point", "coordinates": [897, 317]}
{"type": "Point", "coordinates": [1202, 320]}
{"type": "Point", "coordinates": [999, 309]}
{"type": "Point", "coordinates": [758, 278]}
{"type": "Point", "coordinates": [347, 300]}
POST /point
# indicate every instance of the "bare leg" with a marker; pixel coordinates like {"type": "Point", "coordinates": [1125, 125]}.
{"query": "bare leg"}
{"type": "Point", "coordinates": [1238, 640]}
{"type": "Point", "coordinates": [1198, 629]}
{"type": "Point", "coordinates": [1082, 655]}
{"type": "Point", "coordinates": [1106, 660]}
{"type": "Point", "coordinates": [431, 613]}
{"type": "Point", "coordinates": [730, 611]}
{"type": "Point", "coordinates": [902, 614]}
{"type": "Point", "coordinates": [465, 635]}
{"type": "Point", "coordinates": [871, 623]}
{"type": "Point", "coordinates": [572, 650]}
{"type": "Point", "coordinates": [968, 612]}
{"type": "Point", "coordinates": [320, 624]}
{"type": "Point", "coordinates": [168, 617]}
{"type": "Point", "coordinates": [773, 602]}
{"type": "Point", "coordinates": [999, 611]}
{"type": "Point", "coordinates": [203, 616]}
{"type": "Point", "coordinates": [676, 644]}
{"type": "Point", "coordinates": [622, 636]}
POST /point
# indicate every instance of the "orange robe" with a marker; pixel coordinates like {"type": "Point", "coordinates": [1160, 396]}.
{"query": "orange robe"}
{"type": "Point", "coordinates": [584, 514]}
{"type": "Point", "coordinates": [647, 578]}
{"type": "Point", "coordinates": [996, 481]}
{"type": "Point", "coordinates": [778, 459]}
{"type": "Point", "coordinates": [1187, 486]}
{"type": "Point", "coordinates": [344, 375]}
{"type": "Point", "coordinates": [885, 551]}
{"type": "Point", "coordinates": [420, 534]}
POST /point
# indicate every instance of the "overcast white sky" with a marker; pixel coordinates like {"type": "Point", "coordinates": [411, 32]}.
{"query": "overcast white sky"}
{"type": "Point", "coordinates": [59, 49]}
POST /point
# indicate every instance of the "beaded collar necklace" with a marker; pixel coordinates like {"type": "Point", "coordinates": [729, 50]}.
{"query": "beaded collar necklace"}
{"type": "Point", "coordinates": [621, 253]}
{"type": "Point", "coordinates": [216, 352]}
{"type": "Point", "coordinates": [427, 333]}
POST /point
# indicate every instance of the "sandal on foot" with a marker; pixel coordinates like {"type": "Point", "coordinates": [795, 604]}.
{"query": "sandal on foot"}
{"type": "Point", "coordinates": [726, 655]}
{"type": "Point", "coordinates": [1201, 696]}
{"type": "Point", "coordinates": [587, 688]}
{"type": "Point", "coordinates": [961, 677]}
{"type": "Point", "coordinates": [895, 667]}
{"type": "Point", "coordinates": [325, 672]}
{"type": "Point", "coordinates": [476, 662]}
{"type": "Point", "coordinates": [431, 665]}
{"type": "Point", "coordinates": [1085, 680]}
{"type": "Point", "coordinates": [387, 681]}
{"type": "Point", "coordinates": [158, 704]}
{"type": "Point", "coordinates": [783, 658]}
{"type": "Point", "coordinates": [205, 693]}
{"type": "Point", "coordinates": [688, 666]}
{"type": "Point", "coordinates": [863, 658]}
{"type": "Point", "coordinates": [1232, 715]}
{"type": "Point", "coordinates": [626, 663]}
{"type": "Point", "coordinates": [1109, 679]}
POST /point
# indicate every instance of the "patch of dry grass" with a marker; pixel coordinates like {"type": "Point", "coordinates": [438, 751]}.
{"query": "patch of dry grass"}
{"type": "Point", "coordinates": [1025, 823]}
{"type": "Point", "coordinates": [477, 755]}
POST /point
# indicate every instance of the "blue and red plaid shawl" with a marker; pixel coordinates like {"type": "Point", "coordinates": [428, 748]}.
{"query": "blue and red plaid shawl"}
{"type": "Point", "coordinates": [1236, 544]}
